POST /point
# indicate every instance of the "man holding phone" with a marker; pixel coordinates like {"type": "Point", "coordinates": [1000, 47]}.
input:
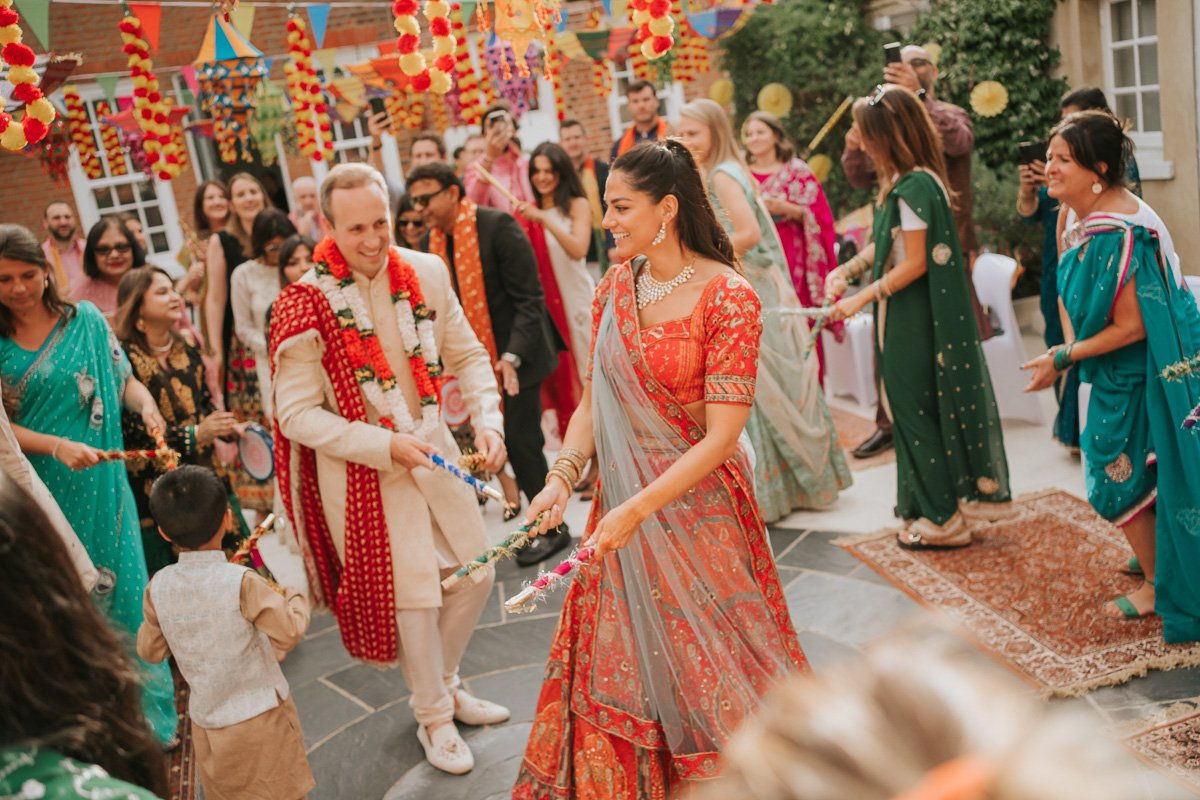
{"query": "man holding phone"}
{"type": "Point", "coordinates": [916, 71]}
{"type": "Point", "coordinates": [503, 160]}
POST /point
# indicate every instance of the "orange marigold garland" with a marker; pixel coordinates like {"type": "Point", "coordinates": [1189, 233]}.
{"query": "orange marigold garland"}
{"type": "Point", "coordinates": [470, 107]}
{"type": "Point", "coordinates": [79, 128]}
{"type": "Point", "coordinates": [397, 112]}
{"type": "Point", "coordinates": [441, 117]}
{"type": "Point", "coordinates": [553, 70]}
{"type": "Point", "coordinates": [39, 112]}
{"type": "Point", "coordinates": [416, 109]}
{"type": "Point", "coordinates": [408, 44]}
{"type": "Point", "coordinates": [438, 14]}
{"type": "Point", "coordinates": [114, 154]}
{"type": "Point", "coordinates": [149, 108]}
{"type": "Point", "coordinates": [314, 132]}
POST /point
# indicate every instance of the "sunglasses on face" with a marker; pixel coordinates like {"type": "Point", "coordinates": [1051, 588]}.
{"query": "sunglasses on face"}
{"type": "Point", "coordinates": [103, 250]}
{"type": "Point", "coordinates": [421, 201]}
{"type": "Point", "coordinates": [412, 223]}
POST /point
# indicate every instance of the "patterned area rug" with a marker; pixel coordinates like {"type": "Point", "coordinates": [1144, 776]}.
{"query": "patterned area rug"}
{"type": "Point", "coordinates": [852, 431]}
{"type": "Point", "coordinates": [181, 762]}
{"type": "Point", "coordinates": [1173, 743]}
{"type": "Point", "coordinates": [1030, 591]}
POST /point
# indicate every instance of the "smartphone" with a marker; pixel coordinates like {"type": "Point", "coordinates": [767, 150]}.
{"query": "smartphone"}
{"type": "Point", "coordinates": [378, 106]}
{"type": "Point", "coordinates": [1029, 152]}
{"type": "Point", "coordinates": [891, 53]}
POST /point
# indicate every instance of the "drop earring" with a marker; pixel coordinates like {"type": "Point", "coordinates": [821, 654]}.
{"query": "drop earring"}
{"type": "Point", "coordinates": [1097, 187]}
{"type": "Point", "coordinates": [661, 235]}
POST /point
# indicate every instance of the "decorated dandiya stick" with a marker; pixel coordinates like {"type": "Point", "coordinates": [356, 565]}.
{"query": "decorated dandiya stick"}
{"type": "Point", "coordinates": [487, 176]}
{"type": "Point", "coordinates": [819, 312]}
{"type": "Point", "coordinates": [487, 491]}
{"type": "Point", "coordinates": [828, 126]}
{"type": "Point", "coordinates": [163, 456]}
{"type": "Point", "coordinates": [525, 600]}
{"type": "Point", "coordinates": [506, 549]}
{"type": "Point", "coordinates": [822, 315]}
{"type": "Point", "coordinates": [247, 554]}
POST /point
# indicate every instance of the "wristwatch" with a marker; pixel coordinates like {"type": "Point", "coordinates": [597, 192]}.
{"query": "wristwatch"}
{"type": "Point", "coordinates": [511, 358]}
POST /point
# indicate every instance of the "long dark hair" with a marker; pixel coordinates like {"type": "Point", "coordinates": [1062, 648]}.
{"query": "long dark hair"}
{"type": "Point", "coordinates": [68, 685]}
{"type": "Point", "coordinates": [91, 267]}
{"type": "Point", "coordinates": [18, 244]}
{"type": "Point", "coordinates": [270, 223]}
{"type": "Point", "coordinates": [896, 127]}
{"type": "Point", "coordinates": [569, 186]}
{"type": "Point", "coordinates": [131, 296]}
{"type": "Point", "coordinates": [1096, 139]}
{"type": "Point", "coordinates": [662, 168]}
{"type": "Point", "coordinates": [199, 218]}
{"type": "Point", "coordinates": [290, 246]}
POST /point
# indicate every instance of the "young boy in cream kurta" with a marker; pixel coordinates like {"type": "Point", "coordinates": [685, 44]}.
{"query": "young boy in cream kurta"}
{"type": "Point", "coordinates": [221, 621]}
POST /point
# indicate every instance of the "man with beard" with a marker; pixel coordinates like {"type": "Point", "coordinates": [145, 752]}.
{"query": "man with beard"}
{"type": "Point", "coordinates": [63, 247]}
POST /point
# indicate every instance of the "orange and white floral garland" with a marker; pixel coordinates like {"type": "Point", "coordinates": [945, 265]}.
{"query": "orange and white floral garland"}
{"type": "Point", "coordinates": [314, 132]}
{"type": "Point", "coordinates": [367, 359]}
{"type": "Point", "coordinates": [438, 14]}
{"type": "Point", "coordinates": [470, 107]}
{"type": "Point", "coordinates": [397, 111]}
{"type": "Point", "coordinates": [39, 112]}
{"type": "Point", "coordinates": [553, 70]}
{"type": "Point", "coordinates": [416, 108]}
{"type": "Point", "coordinates": [79, 128]}
{"type": "Point", "coordinates": [114, 154]}
{"type": "Point", "coordinates": [408, 44]}
{"type": "Point", "coordinates": [150, 110]}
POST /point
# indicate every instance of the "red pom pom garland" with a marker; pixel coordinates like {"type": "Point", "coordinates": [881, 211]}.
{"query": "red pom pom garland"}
{"type": "Point", "coordinates": [19, 58]}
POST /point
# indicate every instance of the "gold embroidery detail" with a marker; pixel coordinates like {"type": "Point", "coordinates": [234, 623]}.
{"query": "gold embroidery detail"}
{"type": "Point", "coordinates": [941, 254]}
{"type": "Point", "coordinates": [941, 359]}
{"type": "Point", "coordinates": [1119, 470]}
{"type": "Point", "coordinates": [988, 485]}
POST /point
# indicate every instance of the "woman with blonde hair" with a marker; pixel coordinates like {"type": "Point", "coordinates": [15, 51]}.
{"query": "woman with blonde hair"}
{"type": "Point", "coordinates": [917, 719]}
{"type": "Point", "coordinates": [799, 463]}
{"type": "Point", "coordinates": [933, 377]}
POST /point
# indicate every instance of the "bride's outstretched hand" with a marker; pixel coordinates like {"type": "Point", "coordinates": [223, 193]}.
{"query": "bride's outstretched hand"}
{"type": "Point", "coordinates": [550, 502]}
{"type": "Point", "coordinates": [614, 530]}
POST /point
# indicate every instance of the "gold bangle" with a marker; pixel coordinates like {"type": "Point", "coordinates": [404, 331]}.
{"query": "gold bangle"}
{"type": "Point", "coordinates": [561, 475]}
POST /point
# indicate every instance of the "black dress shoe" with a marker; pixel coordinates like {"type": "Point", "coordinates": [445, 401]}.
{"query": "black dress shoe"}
{"type": "Point", "coordinates": [879, 442]}
{"type": "Point", "coordinates": [544, 546]}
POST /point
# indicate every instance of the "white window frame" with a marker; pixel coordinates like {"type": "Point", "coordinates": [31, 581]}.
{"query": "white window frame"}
{"type": "Point", "coordinates": [1152, 163]}
{"type": "Point", "coordinates": [353, 54]}
{"type": "Point", "coordinates": [671, 94]}
{"type": "Point", "coordinates": [82, 186]}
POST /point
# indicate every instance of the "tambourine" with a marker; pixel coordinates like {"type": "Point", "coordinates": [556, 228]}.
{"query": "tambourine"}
{"type": "Point", "coordinates": [256, 451]}
{"type": "Point", "coordinates": [454, 410]}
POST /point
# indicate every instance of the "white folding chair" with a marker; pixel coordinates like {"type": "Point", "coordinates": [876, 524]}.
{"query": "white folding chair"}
{"type": "Point", "coordinates": [1005, 353]}
{"type": "Point", "coordinates": [850, 363]}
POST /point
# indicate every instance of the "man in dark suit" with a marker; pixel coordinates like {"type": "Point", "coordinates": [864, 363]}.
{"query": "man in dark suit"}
{"type": "Point", "coordinates": [495, 274]}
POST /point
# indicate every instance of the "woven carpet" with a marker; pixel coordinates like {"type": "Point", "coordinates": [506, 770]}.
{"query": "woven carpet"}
{"type": "Point", "coordinates": [1173, 743]}
{"type": "Point", "coordinates": [1030, 592]}
{"type": "Point", "coordinates": [853, 430]}
{"type": "Point", "coordinates": [181, 762]}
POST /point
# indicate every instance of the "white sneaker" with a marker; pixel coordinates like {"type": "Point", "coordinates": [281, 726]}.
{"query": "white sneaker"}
{"type": "Point", "coordinates": [471, 710]}
{"type": "Point", "coordinates": [448, 752]}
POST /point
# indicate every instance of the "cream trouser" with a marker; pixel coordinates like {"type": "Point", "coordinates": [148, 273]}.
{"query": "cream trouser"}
{"type": "Point", "coordinates": [432, 642]}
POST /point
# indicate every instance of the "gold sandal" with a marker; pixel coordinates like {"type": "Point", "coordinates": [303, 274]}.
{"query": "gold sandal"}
{"type": "Point", "coordinates": [921, 534]}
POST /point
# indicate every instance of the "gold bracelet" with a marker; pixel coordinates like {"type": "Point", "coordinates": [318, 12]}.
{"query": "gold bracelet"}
{"type": "Point", "coordinates": [575, 456]}
{"type": "Point", "coordinates": [563, 475]}
{"type": "Point", "coordinates": [886, 285]}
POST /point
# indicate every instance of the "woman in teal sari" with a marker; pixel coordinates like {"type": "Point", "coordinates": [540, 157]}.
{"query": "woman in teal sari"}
{"type": "Point", "coordinates": [933, 377]}
{"type": "Point", "coordinates": [66, 380]}
{"type": "Point", "coordinates": [798, 461]}
{"type": "Point", "coordinates": [1127, 319]}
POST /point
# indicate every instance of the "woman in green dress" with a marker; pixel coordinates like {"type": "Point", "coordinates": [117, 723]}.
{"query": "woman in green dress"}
{"type": "Point", "coordinates": [71, 723]}
{"type": "Point", "coordinates": [933, 377]}
{"type": "Point", "coordinates": [798, 461]}
{"type": "Point", "coordinates": [66, 381]}
{"type": "Point", "coordinates": [1127, 318]}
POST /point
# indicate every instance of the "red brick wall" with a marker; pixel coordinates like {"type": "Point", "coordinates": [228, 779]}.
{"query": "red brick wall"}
{"type": "Point", "coordinates": [92, 32]}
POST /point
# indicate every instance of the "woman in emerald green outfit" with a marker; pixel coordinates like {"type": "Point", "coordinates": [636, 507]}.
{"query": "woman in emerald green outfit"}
{"type": "Point", "coordinates": [1128, 318]}
{"type": "Point", "coordinates": [66, 380]}
{"type": "Point", "coordinates": [933, 377]}
{"type": "Point", "coordinates": [798, 461]}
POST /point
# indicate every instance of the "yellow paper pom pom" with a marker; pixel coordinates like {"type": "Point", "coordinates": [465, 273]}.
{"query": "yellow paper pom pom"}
{"type": "Point", "coordinates": [436, 8]}
{"type": "Point", "coordinates": [21, 75]}
{"type": "Point", "coordinates": [408, 25]}
{"type": "Point", "coordinates": [641, 17]}
{"type": "Point", "coordinates": [10, 34]}
{"type": "Point", "coordinates": [443, 45]}
{"type": "Point", "coordinates": [820, 165]}
{"type": "Point", "coordinates": [439, 82]}
{"type": "Point", "coordinates": [412, 63]}
{"type": "Point", "coordinates": [989, 98]}
{"type": "Point", "coordinates": [721, 92]}
{"type": "Point", "coordinates": [775, 98]}
{"type": "Point", "coordinates": [662, 26]}
{"type": "Point", "coordinates": [13, 137]}
{"type": "Point", "coordinates": [935, 50]}
{"type": "Point", "coordinates": [648, 49]}
{"type": "Point", "coordinates": [41, 110]}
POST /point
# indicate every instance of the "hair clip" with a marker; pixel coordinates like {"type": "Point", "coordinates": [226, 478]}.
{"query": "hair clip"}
{"type": "Point", "coordinates": [877, 95]}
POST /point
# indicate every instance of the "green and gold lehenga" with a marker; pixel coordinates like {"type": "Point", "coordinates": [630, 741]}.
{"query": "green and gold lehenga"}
{"type": "Point", "coordinates": [933, 377]}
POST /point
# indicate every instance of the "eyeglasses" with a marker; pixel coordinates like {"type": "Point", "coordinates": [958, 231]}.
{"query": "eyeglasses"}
{"type": "Point", "coordinates": [917, 63]}
{"type": "Point", "coordinates": [876, 96]}
{"type": "Point", "coordinates": [412, 223]}
{"type": "Point", "coordinates": [103, 250]}
{"type": "Point", "coordinates": [421, 201]}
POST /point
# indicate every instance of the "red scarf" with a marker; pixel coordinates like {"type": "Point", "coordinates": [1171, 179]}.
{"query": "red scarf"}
{"type": "Point", "coordinates": [360, 590]}
{"type": "Point", "coordinates": [628, 141]}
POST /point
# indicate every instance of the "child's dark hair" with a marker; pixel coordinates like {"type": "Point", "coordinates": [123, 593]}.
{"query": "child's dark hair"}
{"type": "Point", "coordinates": [188, 505]}
{"type": "Point", "coordinates": [662, 168]}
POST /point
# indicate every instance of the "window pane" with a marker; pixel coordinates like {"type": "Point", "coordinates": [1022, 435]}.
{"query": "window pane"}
{"type": "Point", "coordinates": [1147, 18]}
{"type": "Point", "coordinates": [145, 192]}
{"type": "Point", "coordinates": [1127, 108]}
{"type": "Point", "coordinates": [103, 198]}
{"type": "Point", "coordinates": [1148, 64]}
{"type": "Point", "coordinates": [124, 194]}
{"type": "Point", "coordinates": [158, 242]}
{"type": "Point", "coordinates": [1124, 73]}
{"type": "Point", "coordinates": [1122, 21]}
{"type": "Point", "coordinates": [153, 216]}
{"type": "Point", "coordinates": [1151, 116]}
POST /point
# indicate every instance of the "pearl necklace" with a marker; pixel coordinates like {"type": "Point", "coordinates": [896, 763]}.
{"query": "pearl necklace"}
{"type": "Point", "coordinates": [650, 290]}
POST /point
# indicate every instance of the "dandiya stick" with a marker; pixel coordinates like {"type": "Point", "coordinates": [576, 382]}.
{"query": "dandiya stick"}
{"type": "Point", "coordinates": [163, 456]}
{"type": "Point", "coordinates": [487, 491]}
{"type": "Point", "coordinates": [525, 600]}
{"type": "Point", "coordinates": [828, 126]}
{"type": "Point", "coordinates": [511, 544]}
{"type": "Point", "coordinates": [487, 176]}
{"type": "Point", "coordinates": [245, 555]}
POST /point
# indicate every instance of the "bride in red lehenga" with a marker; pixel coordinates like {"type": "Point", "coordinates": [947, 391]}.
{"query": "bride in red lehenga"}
{"type": "Point", "coordinates": [671, 635]}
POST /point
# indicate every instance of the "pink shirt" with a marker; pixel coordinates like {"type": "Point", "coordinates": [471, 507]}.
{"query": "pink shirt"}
{"type": "Point", "coordinates": [101, 294]}
{"type": "Point", "coordinates": [68, 265]}
{"type": "Point", "coordinates": [511, 170]}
